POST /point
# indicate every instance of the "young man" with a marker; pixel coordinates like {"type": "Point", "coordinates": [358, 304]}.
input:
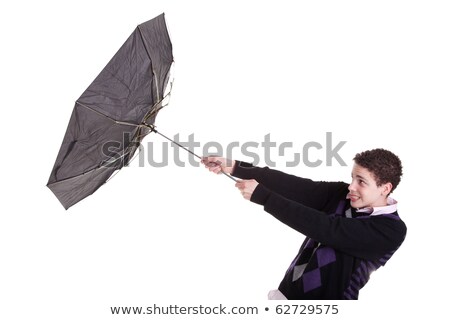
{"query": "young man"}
{"type": "Point", "coordinates": [351, 229]}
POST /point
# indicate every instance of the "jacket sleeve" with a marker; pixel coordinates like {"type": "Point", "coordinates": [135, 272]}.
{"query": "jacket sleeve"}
{"type": "Point", "coordinates": [314, 194]}
{"type": "Point", "coordinates": [370, 238]}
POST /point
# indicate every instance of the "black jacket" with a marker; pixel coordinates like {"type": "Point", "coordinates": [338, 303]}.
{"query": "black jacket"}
{"type": "Point", "coordinates": [342, 247]}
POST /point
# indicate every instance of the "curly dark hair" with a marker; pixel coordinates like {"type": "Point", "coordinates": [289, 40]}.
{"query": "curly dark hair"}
{"type": "Point", "coordinates": [383, 164]}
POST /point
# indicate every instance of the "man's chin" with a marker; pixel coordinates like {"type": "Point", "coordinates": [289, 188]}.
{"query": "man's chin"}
{"type": "Point", "coordinates": [356, 204]}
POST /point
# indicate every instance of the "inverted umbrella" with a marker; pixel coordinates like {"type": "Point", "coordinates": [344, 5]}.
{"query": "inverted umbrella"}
{"type": "Point", "coordinates": [123, 101]}
{"type": "Point", "coordinates": [114, 114]}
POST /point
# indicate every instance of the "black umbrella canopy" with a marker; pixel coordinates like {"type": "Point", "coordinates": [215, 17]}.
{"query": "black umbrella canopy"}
{"type": "Point", "coordinates": [114, 114]}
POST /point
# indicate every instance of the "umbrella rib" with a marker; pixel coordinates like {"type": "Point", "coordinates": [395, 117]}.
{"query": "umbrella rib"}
{"type": "Point", "coordinates": [79, 175]}
{"type": "Point", "coordinates": [151, 61]}
{"type": "Point", "coordinates": [104, 115]}
{"type": "Point", "coordinates": [155, 110]}
{"type": "Point", "coordinates": [100, 166]}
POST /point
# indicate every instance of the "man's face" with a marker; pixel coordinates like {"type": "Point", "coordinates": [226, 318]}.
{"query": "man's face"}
{"type": "Point", "coordinates": [364, 191]}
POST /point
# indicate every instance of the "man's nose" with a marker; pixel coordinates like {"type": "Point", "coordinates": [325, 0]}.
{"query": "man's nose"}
{"type": "Point", "coordinates": [351, 186]}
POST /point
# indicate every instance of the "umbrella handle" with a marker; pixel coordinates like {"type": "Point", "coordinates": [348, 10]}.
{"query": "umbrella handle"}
{"type": "Point", "coordinates": [223, 172]}
{"type": "Point", "coordinates": [229, 176]}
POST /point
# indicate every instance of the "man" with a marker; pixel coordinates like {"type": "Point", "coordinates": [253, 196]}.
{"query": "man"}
{"type": "Point", "coordinates": [351, 229]}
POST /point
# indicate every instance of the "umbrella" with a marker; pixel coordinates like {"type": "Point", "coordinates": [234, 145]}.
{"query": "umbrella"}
{"type": "Point", "coordinates": [113, 115]}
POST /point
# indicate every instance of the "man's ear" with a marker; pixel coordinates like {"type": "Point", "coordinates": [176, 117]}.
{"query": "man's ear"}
{"type": "Point", "coordinates": [386, 189]}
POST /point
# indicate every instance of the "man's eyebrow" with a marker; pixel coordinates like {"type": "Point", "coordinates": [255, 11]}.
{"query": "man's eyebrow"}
{"type": "Point", "coordinates": [361, 177]}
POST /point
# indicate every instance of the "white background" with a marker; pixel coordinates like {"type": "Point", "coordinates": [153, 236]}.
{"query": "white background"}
{"type": "Point", "coordinates": [374, 73]}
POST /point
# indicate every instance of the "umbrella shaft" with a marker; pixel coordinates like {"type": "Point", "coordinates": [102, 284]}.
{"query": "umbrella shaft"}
{"type": "Point", "coordinates": [181, 146]}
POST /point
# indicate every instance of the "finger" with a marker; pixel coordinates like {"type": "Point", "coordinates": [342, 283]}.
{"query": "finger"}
{"type": "Point", "coordinates": [210, 159]}
{"type": "Point", "coordinates": [212, 164]}
{"type": "Point", "coordinates": [216, 163]}
{"type": "Point", "coordinates": [205, 160]}
{"type": "Point", "coordinates": [213, 169]}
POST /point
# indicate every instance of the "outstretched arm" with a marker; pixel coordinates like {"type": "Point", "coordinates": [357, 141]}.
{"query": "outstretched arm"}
{"type": "Point", "coordinates": [366, 238]}
{"type": "Point", "coordinates": [315, 194]}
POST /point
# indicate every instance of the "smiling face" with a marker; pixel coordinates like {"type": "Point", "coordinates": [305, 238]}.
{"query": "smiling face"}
{"type": "Point", "coordinates": [364, 191]}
